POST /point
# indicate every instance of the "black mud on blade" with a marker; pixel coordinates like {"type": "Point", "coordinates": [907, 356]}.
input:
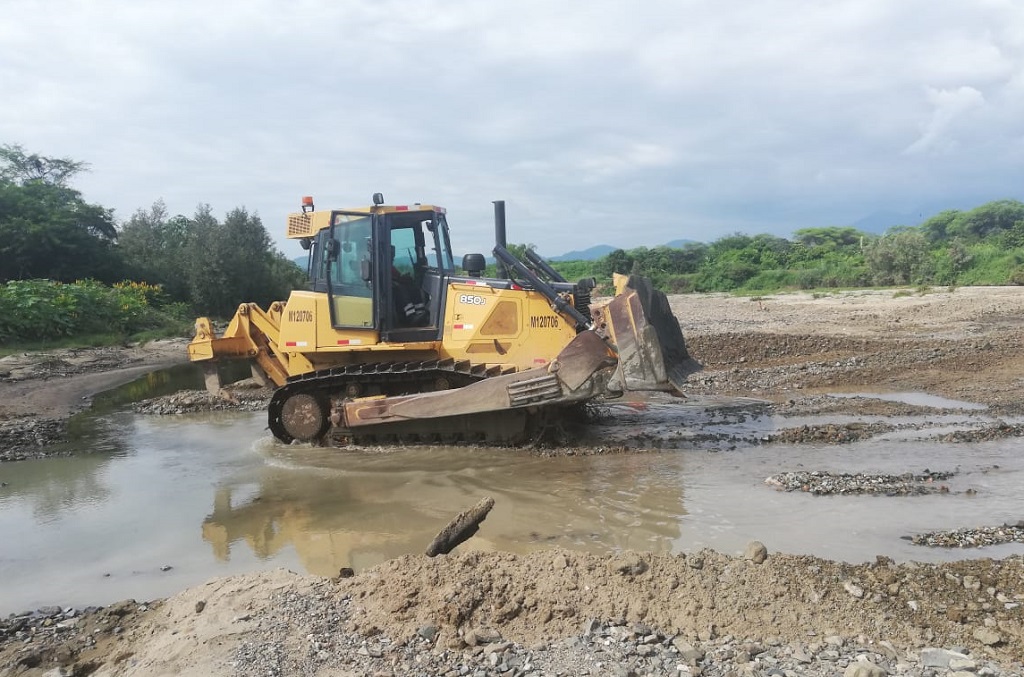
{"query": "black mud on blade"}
{"type": "Point", "coordinates": [678, 363]}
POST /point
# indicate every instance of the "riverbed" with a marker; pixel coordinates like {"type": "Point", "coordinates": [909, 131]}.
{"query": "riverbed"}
{"type": "Point", "coordinates": [149, 505]}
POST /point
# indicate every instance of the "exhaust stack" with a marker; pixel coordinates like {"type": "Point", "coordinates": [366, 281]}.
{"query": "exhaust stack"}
{"type": "Point", "coordinates": [499, 235]}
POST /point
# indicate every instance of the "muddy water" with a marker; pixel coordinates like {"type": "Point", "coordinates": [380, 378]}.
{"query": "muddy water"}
{"type": "Point", "coordinates": [164, 503]}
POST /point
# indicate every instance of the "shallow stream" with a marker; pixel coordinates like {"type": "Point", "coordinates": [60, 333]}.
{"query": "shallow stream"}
{"type": "Point", "coordinates": [158, 504]}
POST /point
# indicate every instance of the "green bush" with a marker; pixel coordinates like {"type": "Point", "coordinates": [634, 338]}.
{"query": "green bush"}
{"type": "Point", "coordinates": [772, 280]}
{"type": "Point", "coordinates": [33, 310]}
{"type": "Point", "coordinates": [990, 264]}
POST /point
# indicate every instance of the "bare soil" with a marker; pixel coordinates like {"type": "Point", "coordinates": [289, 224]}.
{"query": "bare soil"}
{"type": "Point", "coordinates": [419, 615]}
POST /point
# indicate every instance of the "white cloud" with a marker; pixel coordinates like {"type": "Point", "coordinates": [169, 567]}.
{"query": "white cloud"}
{"type": "Point", "coordinates": [677, 119]}
{"type": "Point", "coordinates": [950, 105]}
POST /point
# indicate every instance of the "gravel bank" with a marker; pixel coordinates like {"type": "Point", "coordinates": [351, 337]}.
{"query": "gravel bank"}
{"type": "Point", "coordinates": [556, 613]}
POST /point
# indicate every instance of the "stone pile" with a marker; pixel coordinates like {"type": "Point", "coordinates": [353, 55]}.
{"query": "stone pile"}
{"type": "Point", "coordinates": [829, 433]}
{"type": "Point", "coordinates": [972, 537]}
{"type": "Point", "coordinates": [192, 401]}
{"type": "Point", "coordinates": [613, 648]}
{"type": "Point", "coordinates": [994, 431]}
{"type": "Point", "coordinates": [822, 483]}
{"type": "Point", "coordinates": [26, 437]}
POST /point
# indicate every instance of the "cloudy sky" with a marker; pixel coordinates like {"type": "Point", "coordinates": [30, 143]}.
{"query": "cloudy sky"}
{"type": "Point", "coordinates": [597, 121]}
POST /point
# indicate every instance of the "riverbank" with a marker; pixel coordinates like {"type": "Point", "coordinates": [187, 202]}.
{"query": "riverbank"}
{"type": "Point", "coordinates": [557, 612]}
{"type": "Point", "coordinates": [40, 391]}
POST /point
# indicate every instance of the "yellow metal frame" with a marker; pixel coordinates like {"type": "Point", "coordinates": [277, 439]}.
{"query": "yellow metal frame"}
{"type": "Point", "coordinates": [251, 334]}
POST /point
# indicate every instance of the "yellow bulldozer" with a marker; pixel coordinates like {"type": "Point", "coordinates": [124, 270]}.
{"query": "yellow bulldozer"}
{"type": "Point", "coordinates": [391, 343]}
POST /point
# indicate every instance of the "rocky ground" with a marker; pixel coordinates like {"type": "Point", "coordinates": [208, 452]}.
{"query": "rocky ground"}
{"type": "Point", "coordinates": [565, 613]}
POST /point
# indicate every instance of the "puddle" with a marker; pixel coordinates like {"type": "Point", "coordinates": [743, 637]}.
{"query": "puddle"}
{"type": "Point", "coordinates": [915, 399]}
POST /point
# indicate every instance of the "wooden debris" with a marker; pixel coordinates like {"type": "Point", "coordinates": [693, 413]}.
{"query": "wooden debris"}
{"type": "Point", "coordinates": [460, 529]}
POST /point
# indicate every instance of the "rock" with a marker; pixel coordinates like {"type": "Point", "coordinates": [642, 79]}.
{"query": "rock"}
{"type": "Point", "coordinates": [938, 658]}
{"type": "Point", "coordinates": [958, 663]}
{"type": "Point", "coordinates": [801, 656]}
{"type": "Point", "coordinates": [864, 668]}
{"type": "Point", "coordinates": [497, 648]}
{"type": "Point", "coordinates": [692, 656]}
{"type": "Point", "coordinates": [681, 645]}
{"type": "Point", "coordinates": [200, 605]}
{"type": "Point", "coordinates": [853, 589]}
{"type": "Point", "coordinates": [427, 632]}
{"type": "Point", "coordinates": [834, 640]}
{"type": "Point", "coordinates": [707, 634]}
{"type": "Point", "coordinates": [987, 636]}
{"type": "Point", "coordinates": [627, 563]}
{"type": "Point", "coordinates": [756, 552]}
{"type": "Point", "coordinates": [478, 636]}
{"type": "Point", "coordinates": [886, 647]}
{"type": "Point", "coordinates": [58, 672]}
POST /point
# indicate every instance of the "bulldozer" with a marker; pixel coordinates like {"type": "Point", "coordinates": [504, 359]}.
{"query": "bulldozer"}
{"type": "Point", "coordinates": [392, 343]}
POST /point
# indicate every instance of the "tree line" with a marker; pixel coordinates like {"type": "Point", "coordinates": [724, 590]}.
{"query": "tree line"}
{"type": "Point", "coordinates": [980, 246]}
{"type": "Point", "coordinates": [48, 230]}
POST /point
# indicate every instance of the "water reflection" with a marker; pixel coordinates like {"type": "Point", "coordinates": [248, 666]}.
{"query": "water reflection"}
{"type": "Point", "coordinates": [355, 509]}
{"type": "Point", "coordinates": [75, 477]}
{"type": "Point", "coordinates": [53, 486]}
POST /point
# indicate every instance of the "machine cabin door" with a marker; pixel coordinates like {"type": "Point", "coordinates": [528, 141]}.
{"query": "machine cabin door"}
{"type": "Point", "coordinates": [346, 262]}
{"type": "Point", "coordinates": [419, 263]}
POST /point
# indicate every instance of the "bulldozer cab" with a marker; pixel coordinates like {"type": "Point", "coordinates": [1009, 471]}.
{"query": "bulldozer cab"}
{"type": "Point", "coordinates": [384, 270]}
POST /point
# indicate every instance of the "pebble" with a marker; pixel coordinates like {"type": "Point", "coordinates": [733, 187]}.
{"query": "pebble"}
{"type": "Point", "coordinates": [601, 648]}
{"type": "Point", "coordinates": [756, 552]}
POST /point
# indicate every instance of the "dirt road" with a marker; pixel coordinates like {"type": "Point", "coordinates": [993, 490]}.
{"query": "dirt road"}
{"type": "Point", "coordinates": [702, 613]}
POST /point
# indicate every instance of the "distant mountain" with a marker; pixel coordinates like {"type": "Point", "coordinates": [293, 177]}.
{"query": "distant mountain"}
{"type": "Point", "coordinates": [589, 254]}
{"type": "Point", "coordinates": [301, 262]}
{"type": "Point", "coordinates": [879, 222]}
{"type": "Point", "coordinates": [599, 250]}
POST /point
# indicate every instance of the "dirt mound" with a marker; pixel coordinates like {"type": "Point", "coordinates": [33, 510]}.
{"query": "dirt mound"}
{"type": "Point", "coordinates": [549, 595]}
{"type": "Point", "coordinates": [571, 613]}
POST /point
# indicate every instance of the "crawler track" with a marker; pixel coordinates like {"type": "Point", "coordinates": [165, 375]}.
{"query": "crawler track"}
{"type": "Point", "coordinates": [301, 409]}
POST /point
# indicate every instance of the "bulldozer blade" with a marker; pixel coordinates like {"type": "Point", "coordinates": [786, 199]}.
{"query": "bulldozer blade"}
{"type": "Point", "coordinates": [650, 344]}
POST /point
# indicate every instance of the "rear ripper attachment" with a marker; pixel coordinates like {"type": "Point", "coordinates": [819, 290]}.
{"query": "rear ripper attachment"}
{"type": "Point", "coordinates": [477, 365]}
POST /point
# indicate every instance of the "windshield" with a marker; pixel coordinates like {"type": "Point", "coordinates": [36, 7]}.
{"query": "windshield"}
{"type": "Point", "coordinates": [419, 241]}
{"type": "Point", "coordinates": [352, 237]}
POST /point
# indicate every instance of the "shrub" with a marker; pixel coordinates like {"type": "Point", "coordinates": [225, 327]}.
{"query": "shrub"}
{"type": "Point", "coordinates": [43, 309]}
